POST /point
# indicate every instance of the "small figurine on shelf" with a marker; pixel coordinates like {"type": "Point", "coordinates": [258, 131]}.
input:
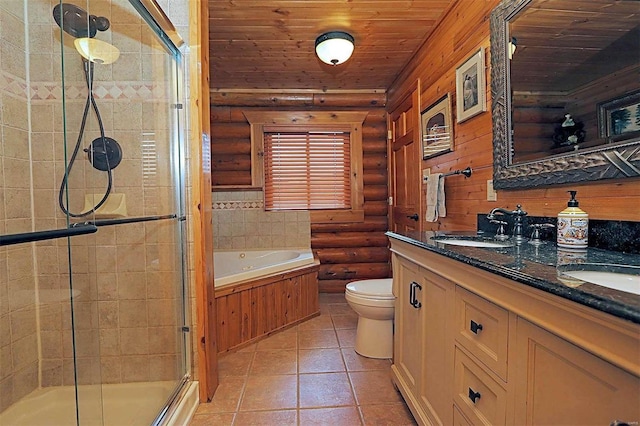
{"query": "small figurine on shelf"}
{"type": "Point", "coordinates": [569, 133]}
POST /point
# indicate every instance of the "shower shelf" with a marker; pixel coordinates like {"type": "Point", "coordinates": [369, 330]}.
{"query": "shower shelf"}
{"type": "Point", "coordinates": [28, 237]}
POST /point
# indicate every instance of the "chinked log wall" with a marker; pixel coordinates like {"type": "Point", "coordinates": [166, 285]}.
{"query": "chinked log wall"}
{"type": "Point", "coordinates": [347, 251]}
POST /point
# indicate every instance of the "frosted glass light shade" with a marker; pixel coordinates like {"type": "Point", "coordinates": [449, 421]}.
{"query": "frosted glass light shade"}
{"type": "Point", "coordinates": [335, 47]}
{"type": "Point", "coordinates": [97, 51]}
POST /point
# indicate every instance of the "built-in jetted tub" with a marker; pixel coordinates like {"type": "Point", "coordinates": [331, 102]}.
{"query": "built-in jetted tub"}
{"type": "Point", "coordinates": [260, 291]}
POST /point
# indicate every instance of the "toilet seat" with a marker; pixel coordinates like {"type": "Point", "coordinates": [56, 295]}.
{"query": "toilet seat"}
{"type": "Point", "coordinates": [375, 289]}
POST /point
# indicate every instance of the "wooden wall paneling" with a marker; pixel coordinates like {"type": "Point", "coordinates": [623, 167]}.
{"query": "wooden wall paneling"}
{"type": "Point", "coordinates": [264, 306]}
{"type": "Point", "coordinates": [204, 362]}
{"type": "Point", "coordinates": [434, 64]}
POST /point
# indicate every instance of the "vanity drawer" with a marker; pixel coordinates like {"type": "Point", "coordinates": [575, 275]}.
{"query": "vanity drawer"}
{"type": "Point", "coordinates": [482, 328]}
{"type": "Point", "coordinates": [478, 396]}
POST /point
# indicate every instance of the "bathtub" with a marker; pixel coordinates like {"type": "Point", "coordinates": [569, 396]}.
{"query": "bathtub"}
{"type": "Point", "coordinates": [260, 292]}
{"type": "Point", "coordinates": [242, 265]}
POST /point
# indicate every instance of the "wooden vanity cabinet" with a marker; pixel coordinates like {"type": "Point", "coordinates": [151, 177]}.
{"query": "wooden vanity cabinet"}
{"type": "Point", "coordinates": [557, 382]}
{"type": "Point", "coordinates": [482, 349]}
{"type": "Point", "coordinates": [422, 344]}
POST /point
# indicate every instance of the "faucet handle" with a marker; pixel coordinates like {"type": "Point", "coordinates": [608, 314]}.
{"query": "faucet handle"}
{"type": "Point", "coordinates": [500, 234]}
{"type": "Point", "coordinates": [535, 235]}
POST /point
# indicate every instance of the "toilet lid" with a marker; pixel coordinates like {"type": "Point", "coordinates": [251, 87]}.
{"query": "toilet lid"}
{"type": "Point", "coordinates": [378, 289]}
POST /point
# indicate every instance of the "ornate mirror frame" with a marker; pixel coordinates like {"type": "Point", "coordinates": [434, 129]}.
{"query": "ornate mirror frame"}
{"type": "Point", "coordinates": [610, 161]}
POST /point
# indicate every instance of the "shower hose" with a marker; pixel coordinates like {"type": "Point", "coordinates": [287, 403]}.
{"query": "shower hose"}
{"type": "Point", "coordinates": [88, 72]}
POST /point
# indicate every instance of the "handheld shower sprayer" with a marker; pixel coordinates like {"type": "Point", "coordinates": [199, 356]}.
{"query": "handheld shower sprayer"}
{"type": "Point", "coordinates": [104, 153]}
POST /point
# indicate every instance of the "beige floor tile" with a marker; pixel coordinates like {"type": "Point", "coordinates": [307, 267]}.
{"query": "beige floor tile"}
{"type": "Point", "coordinates": [331, 379]}
{"type": "Point", "coordinates": [266, 418]}
{"type": "Point", "coordinates": [270, 393]}
{"type": "Point", "coordinates": [336, 416]}
{"type": "Point", "coordinates": [322, 322]}
{"type": "Point", "coordinates": [365, 381]}
{"type": "Point", "coordinates": [250, 348]}
{"type": "Point", "coordinates": [287, 339]}
{"type": "Point", "coordinates": [346, 338]}
{"type": "Point", "coordinates": [340, 309]}
{"type": "Point", "coordinates": [320, 361]}
{"type": "Point", "coordinates": [345, 321]}
{"type": "Point", "coordinates": [272, 362]}
{"type": "Point", "coordinates": [325, 390]}
{"type": "Point", "coordinates": [387, 415]}
{"type": "Point", "coordinates": [226, 398]}
{"type": "Point", "coordinates": [235, 364]}
{"type": "Point", "coordinates": [312, 339]}
{"type": "Point", "coordinates": [356, 362]}
{"type": "Point", "coordinates": [210, 419]}
{"type": "Point", "coordinates": [332, 298]}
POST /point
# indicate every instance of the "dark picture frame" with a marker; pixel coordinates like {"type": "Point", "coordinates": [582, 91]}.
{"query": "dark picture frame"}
{"type": "Point", "coordinates": [436, 128]}
{"type": "Point", "coordinates": [471, 87]}
{"type": "Point", "coordinates": [619, 118]}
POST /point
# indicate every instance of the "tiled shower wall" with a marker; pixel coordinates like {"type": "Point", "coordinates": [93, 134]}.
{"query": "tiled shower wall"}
{"type": "Point", "coordinates": [18, 323]}
{"type": "Point", "coordinates": [240, 222]}
{"type": "Point", "coordinates": [125, 279]}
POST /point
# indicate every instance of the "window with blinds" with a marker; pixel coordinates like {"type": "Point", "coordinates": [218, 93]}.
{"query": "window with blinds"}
{"type": "Point", "coordinates": [307, 170]}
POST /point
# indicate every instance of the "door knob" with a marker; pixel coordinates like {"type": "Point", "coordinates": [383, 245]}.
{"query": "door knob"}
{"type": "Point", "coordinates": [414, 217]}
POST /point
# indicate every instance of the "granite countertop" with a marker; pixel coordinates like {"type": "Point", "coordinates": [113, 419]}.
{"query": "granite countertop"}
{"type": "Point", "coordinates": [536, 266]}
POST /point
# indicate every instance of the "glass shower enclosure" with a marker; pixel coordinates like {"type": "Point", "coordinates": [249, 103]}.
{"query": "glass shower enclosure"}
{"type": "Point", "coordinates": [94, 324]}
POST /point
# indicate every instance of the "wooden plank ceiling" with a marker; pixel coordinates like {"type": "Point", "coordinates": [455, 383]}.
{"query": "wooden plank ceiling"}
{"type": "Point", "coordinates": [270, 45]}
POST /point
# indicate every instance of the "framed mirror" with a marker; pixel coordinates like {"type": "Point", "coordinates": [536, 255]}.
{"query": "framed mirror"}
{"type": "Point", "coordinates": [565, 91]}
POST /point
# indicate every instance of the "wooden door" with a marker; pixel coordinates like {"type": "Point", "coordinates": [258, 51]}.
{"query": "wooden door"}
{"type": "Point", "coordinates": [557, 382]}
{"type": "Point", "coordinates": [405, 165]}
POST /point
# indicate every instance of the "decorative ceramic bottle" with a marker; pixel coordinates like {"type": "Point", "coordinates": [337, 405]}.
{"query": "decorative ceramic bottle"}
{"type": "Point", "coordinates": [573, 226]}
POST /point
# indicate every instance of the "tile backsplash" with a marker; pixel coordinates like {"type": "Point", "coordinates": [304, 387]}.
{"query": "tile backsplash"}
{"type": "Point", "coordinates": [240, 222]}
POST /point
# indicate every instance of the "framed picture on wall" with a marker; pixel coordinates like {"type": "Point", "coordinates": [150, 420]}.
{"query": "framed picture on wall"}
{"type": "Point", "coordinates": [619, 118]}
{"type": "Point", "coordinates": [436, 128]}
{"type": "Point", "coordinates": [471, 87]}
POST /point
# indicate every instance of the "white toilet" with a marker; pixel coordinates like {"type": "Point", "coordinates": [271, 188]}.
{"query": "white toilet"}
{"type": "Point", "coordinates": [373, 301]}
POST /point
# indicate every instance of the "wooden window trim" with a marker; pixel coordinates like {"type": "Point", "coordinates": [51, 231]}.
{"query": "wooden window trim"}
{"type": "Point", "coordinates": [262, 121]}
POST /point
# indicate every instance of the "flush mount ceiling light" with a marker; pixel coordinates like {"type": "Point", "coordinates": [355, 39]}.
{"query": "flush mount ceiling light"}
{"type": "Point", "coordinates": [334, 47]}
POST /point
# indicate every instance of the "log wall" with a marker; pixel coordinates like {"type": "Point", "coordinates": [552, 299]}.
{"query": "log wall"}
{"type": "Point", "coordinates": [459, 34]}
{"type": "Point", "coordinates": [347, 251]}
{"type": "Point", "coordinates": [250, 311]}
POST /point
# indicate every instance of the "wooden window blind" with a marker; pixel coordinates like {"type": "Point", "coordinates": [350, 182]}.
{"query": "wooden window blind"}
{"type": "Point", "coordinates": [307, 170]}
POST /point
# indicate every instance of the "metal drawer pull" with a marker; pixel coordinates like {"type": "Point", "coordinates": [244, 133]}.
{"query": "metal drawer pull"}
{"type": "Point", "coordinates": [412, 295]}
{"type": "Point", "coordinates": [473, 395]}
{"type": "Point", "coordinates": [475, 327]}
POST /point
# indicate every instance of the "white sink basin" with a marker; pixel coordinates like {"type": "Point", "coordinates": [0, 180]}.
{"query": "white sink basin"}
{"type": "Point", "coordinates": [623, 282]}
{"type": "Point", "coordinates": [471, 243]}
{"type": "Point", "coordinates": [618, 277]}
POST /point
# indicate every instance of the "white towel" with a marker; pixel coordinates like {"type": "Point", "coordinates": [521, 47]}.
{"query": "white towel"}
{"type": "Point", "coordinates": [435, 197]}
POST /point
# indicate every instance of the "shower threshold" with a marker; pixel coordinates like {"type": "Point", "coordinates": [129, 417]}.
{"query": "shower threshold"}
{"type": "Point", "coordinates": [121, 404]}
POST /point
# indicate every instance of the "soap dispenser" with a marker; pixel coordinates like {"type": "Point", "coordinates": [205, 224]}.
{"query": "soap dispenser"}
{"type": "Point", "coordinates": [573, 226]}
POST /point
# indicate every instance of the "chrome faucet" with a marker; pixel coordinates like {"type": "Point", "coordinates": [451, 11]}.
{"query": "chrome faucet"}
{"type": "Point", "coordinates": [518, 225]}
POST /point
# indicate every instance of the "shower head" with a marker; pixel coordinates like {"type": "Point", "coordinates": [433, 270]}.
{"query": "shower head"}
{"type": "Point", "coordinates": [77, 22]}
{"type": "Point", "coordinates": [97, 51]}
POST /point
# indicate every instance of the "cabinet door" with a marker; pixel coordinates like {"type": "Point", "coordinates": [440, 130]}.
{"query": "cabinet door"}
{"type": "Point", "coordinates": [408, 335]}
{"type": "Point", "coordinates": [557, 383]}
{"type": "Point", "coordinates": [437, 356]}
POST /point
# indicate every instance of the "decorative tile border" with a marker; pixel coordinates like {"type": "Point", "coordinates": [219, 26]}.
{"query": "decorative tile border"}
{"type": "Point", "coordinates": [235, 205]}
{"type": "Point", "coordinates": [108, 90]}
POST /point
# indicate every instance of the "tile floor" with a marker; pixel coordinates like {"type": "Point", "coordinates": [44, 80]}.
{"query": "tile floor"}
{"type": "Point", "coordinates": [306, 375]}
